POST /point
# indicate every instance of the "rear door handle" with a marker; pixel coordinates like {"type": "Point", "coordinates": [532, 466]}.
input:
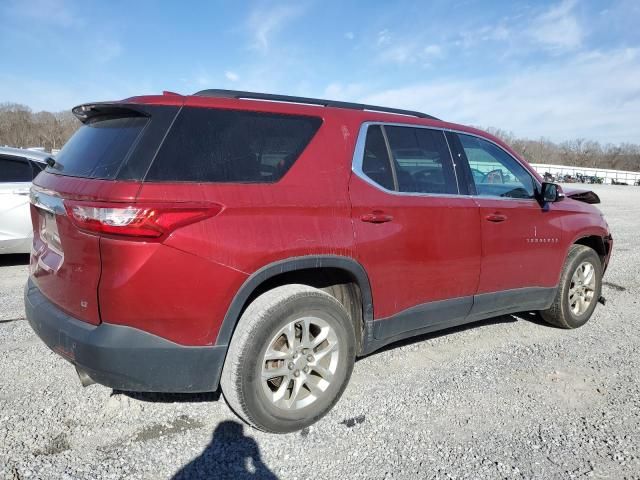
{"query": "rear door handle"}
{"type": "Point", "coordinates": [21, 191]}
{"type": "Point", "coordinates": [496, 217]}
{"type": "Point", "coordinates": [376, 216]}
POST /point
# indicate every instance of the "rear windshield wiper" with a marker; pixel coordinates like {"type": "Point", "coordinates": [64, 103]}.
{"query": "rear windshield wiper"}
{"type": "Point", "coordinates": [51, 162]}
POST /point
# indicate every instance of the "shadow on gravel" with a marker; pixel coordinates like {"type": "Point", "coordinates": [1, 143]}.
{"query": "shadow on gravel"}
{"type": "Point", "coordinates": [171, 397]}
{"type": "Point", "coordinates": [532, 317]}
{"type": "Point", "coordinates": [230, 454]}
{"type": "Point", "coordinates": [13, 259]}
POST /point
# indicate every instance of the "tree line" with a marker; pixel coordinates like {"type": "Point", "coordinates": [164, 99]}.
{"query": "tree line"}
{"type": "Point", "coordinates": [21, 127]}
{"type": "Point", "coordinates": [579, 152]}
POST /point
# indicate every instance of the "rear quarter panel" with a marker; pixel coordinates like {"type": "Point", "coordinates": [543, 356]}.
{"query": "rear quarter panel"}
{"type": "Point", "coordinates": [197, 270]}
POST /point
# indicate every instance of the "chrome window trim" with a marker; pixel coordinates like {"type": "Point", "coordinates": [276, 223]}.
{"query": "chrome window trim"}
{"type": "Point", "coordinates": [358, 157]}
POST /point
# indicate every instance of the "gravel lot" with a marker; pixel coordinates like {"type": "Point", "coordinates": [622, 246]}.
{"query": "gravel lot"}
{"type": "Point", "coordinates": [506, 398]}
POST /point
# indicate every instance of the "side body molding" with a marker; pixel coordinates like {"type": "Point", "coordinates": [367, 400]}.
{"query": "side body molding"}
{"type": "Point", "coordinates": [299, 263]}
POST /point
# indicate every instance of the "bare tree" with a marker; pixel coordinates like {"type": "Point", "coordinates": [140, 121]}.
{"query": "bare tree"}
{"type": "Point", "coordinates": [20, 127]}
{"type": "Point", "coordinates": [579, 152]}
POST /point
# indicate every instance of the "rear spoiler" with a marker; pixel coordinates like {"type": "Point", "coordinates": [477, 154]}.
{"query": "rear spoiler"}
{"type": "Point", "coordinates": [89, 110]}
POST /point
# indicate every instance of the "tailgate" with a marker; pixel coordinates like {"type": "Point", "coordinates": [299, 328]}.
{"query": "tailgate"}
{"type": "Point", "coordinates": [65, 263]}
{"type": "Point", "coordinates": [102, 161]}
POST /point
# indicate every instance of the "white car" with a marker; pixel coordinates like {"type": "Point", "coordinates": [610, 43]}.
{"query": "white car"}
{"type": "Point", "coordinates": [18, 167]}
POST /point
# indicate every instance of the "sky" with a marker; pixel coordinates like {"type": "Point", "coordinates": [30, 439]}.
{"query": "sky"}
{"type": "Point", "coordinates": [559, 69]}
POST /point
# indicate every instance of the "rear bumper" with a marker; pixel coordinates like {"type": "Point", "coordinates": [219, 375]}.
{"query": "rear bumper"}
{"type": "Point", "coordinates": [121, 357]}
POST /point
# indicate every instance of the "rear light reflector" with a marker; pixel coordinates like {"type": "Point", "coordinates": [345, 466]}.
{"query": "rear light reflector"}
{"type": "Point", "coordinates": [137, 220]}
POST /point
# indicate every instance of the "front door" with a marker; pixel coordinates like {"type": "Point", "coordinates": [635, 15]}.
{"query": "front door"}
{"type": "Point", "coordinates": [417, 238]}
{"type": "Point", "coordinates": [520, 238]}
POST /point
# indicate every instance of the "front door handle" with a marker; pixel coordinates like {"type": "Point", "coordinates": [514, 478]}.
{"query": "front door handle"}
{"type": "Point", "coordinates": [496, 217]}
{"type": "Point", "coordinates": [376, 216]}
{"type": "Point", "coordinates": [21, 191]}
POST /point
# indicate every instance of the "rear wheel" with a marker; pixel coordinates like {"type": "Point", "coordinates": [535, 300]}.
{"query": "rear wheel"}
{"type": "Point", "coordinates": [578, 291]}
{"type": "Point", "coordinates": [290, 358]}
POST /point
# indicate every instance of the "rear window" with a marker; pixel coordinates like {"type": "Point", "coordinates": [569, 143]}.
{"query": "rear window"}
{"type": "Point", "coordinates": [99, 147]}
{"type": "Point", "coordinates": [209, 145]}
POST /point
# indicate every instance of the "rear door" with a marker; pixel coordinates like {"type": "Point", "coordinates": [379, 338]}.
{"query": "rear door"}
{"type": "Point", "coordinates": [418, 239]}
{"type": "Point", "coordinates": [520, 239]}
{"type": "Point", "coordinates": [16, 174]}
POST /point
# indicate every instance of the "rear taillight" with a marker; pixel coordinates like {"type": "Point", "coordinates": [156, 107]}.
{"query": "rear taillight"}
{"type": "Point", "coordinates": [136, 220]}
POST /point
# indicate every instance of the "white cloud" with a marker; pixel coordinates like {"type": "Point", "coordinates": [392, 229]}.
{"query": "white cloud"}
{"type": "Point", "coordinates": [201, 79]}
{"type": "Point", "coordinates": [398, 54]}
{"type": "Point", "coordinates": [346, 92]}
{"type": "Point", "coordinates": [593, 95]}
{"type": "Point", "coordinates": [384, 38]}
{"type": "Point", "coordinates": [410, 53]}
{"type": "Point", "coordinates": [265, 22]}
{"type": "Point", "coordinates": [50, 12]}
{"type": "Point", "coordinates": [472, 36]}
{"type": "Point", "coordinates": [107, 49]}
{"type": "Point", "coordinates": [231, 76]}
{"type": "Point", "coordinates": [558, 28]}
{"type": "Point", "coordinates": [499, 32]}
{"type": "Point", "coordinates": [56, 94]}
{"type": "Point", "coordinates": [432, 50]}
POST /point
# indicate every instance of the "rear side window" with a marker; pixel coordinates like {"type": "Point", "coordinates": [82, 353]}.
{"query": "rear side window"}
{"type": "Point", "coordinates": [375, 163]}
{"type": "Point", "coordinates": [211, 145]}
{"type": "Point", "coordinates": [422, 160]}
{"type": "Point", "coordinates": [15, 170]}
{"type": "Point", "coordinates": [99, 147]}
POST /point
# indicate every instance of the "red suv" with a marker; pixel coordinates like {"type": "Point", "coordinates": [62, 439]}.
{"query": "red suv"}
{"type": "Point", "coordinates": [262, 242]}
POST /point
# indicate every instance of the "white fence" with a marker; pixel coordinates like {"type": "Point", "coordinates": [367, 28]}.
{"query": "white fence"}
{"type": "Point", "coordinates": [607, 175]}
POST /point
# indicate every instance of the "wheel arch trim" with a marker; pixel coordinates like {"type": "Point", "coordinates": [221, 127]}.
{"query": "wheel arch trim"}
{"type": "Point", "coordinates": [597, 233]}
{"type": "Point", "coordinates": [268, 271]}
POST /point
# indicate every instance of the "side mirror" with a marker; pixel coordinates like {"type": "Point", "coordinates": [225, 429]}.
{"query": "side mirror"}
{"type": "Point", "coordinates": [551, 192]}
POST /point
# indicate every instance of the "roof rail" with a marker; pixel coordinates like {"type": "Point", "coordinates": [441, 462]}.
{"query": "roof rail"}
{"type": "Point", "coordinates": [220, 93]}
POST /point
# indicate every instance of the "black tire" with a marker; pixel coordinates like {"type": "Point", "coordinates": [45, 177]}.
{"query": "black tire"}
{"type": "Point", "coordinates": [560, 313]}
{"type": "Point", "coordinates": [241, 379]}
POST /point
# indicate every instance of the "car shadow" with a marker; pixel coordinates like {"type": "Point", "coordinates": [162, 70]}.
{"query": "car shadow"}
{"type": "Point", "coordinates": [13, 259]}
{"type": "Point", "coordinates": [532, 317]}
{"type": "Point", "coordinates": [159, 397]}
{"type": "Point", "coordinates": [230, 455]}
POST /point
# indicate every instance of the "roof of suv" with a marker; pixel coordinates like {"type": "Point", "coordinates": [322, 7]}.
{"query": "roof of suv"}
{"type": "Point", "coordinates": [219, 93]}
{"type": "Point", "coordinates": [34, 155]}
{"type": "Point", "coordinates": [229, 97]}
{"type": "Point", "coordinates": [289, 105]}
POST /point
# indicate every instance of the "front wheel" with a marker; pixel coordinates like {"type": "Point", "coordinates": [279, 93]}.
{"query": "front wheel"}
{"type": "Point", "coordinates": [579, 289]}
{"type": "Point", "coordinates": [290, 358]}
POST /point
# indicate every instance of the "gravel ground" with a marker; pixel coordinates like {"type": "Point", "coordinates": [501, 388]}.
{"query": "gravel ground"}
{"type": "Point", "coordinates": [506, 398]}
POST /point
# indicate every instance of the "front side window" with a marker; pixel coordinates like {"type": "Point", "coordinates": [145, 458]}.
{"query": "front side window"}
{"type": "Point", "coordinates": [15, 170]}
{"type": "Point", "coordinates": [421, 159]}
{"type": "Point", "coordinates": [212, 145]}
{"type": "Point", "coordinates": [495, 172]}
